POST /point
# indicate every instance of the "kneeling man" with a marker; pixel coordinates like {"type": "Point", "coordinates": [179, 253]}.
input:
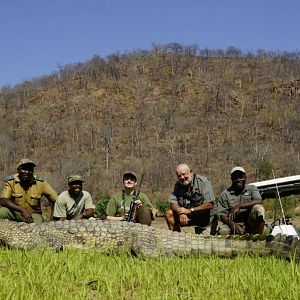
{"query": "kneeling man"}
{"type": "Point", "coordinates": [192, 203]}
{"type": "Point", "coordinates": [119, 204]}
{"type": "Point", "coordinates": [240, 207]}
{"type": "Point", "coordinates": [74, 203]}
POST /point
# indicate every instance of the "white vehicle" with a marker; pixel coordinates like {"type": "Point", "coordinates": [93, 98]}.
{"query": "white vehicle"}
{"type": "Point", "coordinates": [277, 188]}
{"type": "Point", "coordinates": [285, 185]}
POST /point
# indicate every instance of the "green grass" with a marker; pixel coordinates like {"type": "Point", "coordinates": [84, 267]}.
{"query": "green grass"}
{"type": "Point", "coordinates": [75, 274]}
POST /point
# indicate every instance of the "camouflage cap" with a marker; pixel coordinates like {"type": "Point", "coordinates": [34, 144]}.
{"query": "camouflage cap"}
{"type": "Point", "coordinates": [240, 169]}
{"type": "Point", "coordinates": [129, 173]}
{"type": "Point", "coordinates": [73, 178]}
{"type": "Point", "coordinates": [25, 161]}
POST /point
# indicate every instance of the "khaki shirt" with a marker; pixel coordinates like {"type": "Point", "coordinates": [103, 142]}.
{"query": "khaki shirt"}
{"type": "Point", "coordinates": [230, 200]}
{"type": "Point", "coordinates": [30, 199]}
{"type": "Point", "coordinates": [68, 207]}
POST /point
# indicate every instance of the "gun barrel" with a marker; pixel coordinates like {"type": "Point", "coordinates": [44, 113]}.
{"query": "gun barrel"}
{"type": "Point", "coordinates": [286, 186]}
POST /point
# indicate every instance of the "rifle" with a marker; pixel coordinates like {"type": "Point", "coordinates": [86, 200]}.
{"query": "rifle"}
{"type": "Point", "coordinates": [132, 208]}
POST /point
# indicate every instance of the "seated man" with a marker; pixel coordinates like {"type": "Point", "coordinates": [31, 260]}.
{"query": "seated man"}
{"type": "Point", "coordinates": [119, 204]}
{"type": "Point", "coordinates": [240, 207]}
{"type": "Point", "coordinates": [192, 203]}
{"type": "Point", "coordinates": [74, 203]}
{"type": "Point", "coordinates": [21, 197]}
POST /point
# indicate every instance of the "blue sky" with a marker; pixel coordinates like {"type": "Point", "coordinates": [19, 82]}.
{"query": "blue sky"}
{"type": "Point", "coordinates": [36, 36]}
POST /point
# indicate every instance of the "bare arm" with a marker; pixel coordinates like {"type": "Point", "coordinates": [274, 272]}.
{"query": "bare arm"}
{"type": "Point", "coordinates": [176, 208]}
{"type": "Point", "coordinates": [111, 218]}
{"type": "Point", "coordinates": [197, 209]}
{"type": "Point", "coordinates": [88, 213]}
{"type": "Point", "coordinates": [235, 228]}
{"type": "Point", "coordinates": [250, 204]}
{"type": "Point", "coordinates": [183, 212]}
{"type": "Point", "coordinates": [237, 208]}
{"type": "Point", "coordinates": [52, 209]}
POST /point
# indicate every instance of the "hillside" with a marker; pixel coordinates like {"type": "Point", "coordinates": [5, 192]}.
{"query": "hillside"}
{"type": "Point", "coordinates": [150, 110]}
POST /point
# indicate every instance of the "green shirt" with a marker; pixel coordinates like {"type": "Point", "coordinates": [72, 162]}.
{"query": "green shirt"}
{"type": "Point", "coordinates": [119, 204]}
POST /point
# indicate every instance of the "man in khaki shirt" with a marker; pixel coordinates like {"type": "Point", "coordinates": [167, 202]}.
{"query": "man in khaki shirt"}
{"type": "Point", "coordinates": [74, 203]}
{"type": "Point", "coordinates": [21, 197]}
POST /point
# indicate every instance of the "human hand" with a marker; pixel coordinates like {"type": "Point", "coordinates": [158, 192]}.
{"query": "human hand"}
{"type": "Point", "coordinates": [183, 210]}
{"type": "Point", "coordinates": [124, 218]}
{"type": "Point", "coordinates": [183, 219]}
{"type": "Point", "coordinates": [138, 203]}
{"type": "Point", "coordinates": [236, 228]}
{"type": "Point", "coordinates": [234, 211]}
{"type": "Point", "coordinates": [26, 216]}
{"type": "Point", "coordinates": [154, 213]}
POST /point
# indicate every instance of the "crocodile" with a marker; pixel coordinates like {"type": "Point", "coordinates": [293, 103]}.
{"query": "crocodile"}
{"type": "Point", "coordinates": [115, 237]}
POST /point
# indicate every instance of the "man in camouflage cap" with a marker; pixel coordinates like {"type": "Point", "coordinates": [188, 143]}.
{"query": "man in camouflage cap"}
{"type": "Point", "coordinates": [21, 197]}
{"type": "Point", "coordinates": [74, 203]}
{"type": "Point", "coordinates": [240, 207]}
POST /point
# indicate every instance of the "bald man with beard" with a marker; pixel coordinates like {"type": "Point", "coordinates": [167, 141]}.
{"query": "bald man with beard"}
{"type": "Point", "coordinates": [191, 203]}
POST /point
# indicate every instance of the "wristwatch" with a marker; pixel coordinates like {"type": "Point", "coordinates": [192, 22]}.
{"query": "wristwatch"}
{"type": "Point", "coordinates": [192, 209]}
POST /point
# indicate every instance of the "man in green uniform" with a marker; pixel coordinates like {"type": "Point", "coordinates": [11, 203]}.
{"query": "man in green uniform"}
{"type": "Point", "coordinates": [192, 203]}
{"type": "Point", "coordinates": [240, 207]}
{"type": "Point", "coordinates": [74, 203]}
{"type": "Point", "coordinates": [21, 197]}
{"type": "Point", "coordinates": [119, 204]}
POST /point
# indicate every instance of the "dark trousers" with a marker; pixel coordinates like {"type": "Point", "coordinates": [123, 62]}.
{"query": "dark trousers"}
{"type": "Point", "coordinates": [143, 215]}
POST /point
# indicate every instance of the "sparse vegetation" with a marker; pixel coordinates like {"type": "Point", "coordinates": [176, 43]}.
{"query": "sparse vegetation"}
{"type": "Point", "coordinates": [149, 110]}
{"type": "Point", "coordinates": [288, 203]}
{"type": "Point", "coordinates": [101, 205]}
